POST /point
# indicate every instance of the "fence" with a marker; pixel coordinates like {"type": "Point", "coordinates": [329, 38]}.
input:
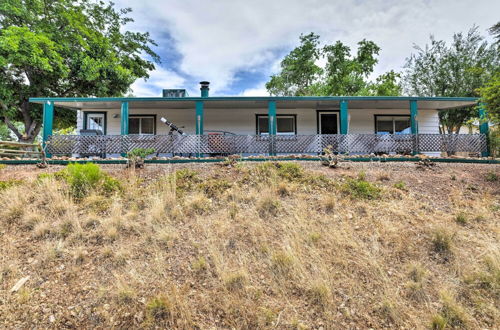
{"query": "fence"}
{"type": "Point", "coordinates": [265, 144]}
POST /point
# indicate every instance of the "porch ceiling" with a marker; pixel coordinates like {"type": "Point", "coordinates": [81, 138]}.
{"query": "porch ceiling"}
{"type": "Point", "coordinates": [260, 102]}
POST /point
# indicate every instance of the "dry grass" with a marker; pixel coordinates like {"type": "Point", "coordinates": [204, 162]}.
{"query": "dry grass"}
{"type": "Point", "coordinates": [254, 246]}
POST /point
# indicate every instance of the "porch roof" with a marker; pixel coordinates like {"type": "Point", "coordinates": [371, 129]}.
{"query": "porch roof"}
{"type": "Point", "coordinates": [241, 102]}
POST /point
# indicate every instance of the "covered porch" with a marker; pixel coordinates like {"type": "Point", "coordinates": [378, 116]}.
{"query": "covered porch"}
{"type": "Point", "coordinates": [261, 126]}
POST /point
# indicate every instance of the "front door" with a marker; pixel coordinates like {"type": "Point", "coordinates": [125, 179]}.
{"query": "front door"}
{"type": "Point", "coordinates": [328, 123]}
{"type": "Point", "coordinates": [96, 121]}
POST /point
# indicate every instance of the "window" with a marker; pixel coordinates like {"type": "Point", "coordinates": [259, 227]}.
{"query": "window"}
{"type": "Point", "coordinates": [145, 125]}
{"type": "Point", "coordinates": [392, 124]}
{"type": "Point", "coordinates": [285, 124]}
{"type": "Point", "coordinates": [95, 121]}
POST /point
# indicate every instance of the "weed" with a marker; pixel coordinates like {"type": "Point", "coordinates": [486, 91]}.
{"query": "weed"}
{"type": "Point", "coordinates": [9, 183]}
{"type": "Point", "coordinates": [235, 281]}
{"type": "Point", "coordinates": [319, 294]}
{"type": "Point", "coordinates": [289, 170]}
{"type": "Point", "coordinates": [452, 314]}
{"type": "Point", "coordinates": [400, 185]}
{"type": "Point", "coordinates": [214, 187]}
{"type": "Point", "coordinates": [199, 265]}
{"type": "Point", "coordinates": [185, 179]}
{"type": "Point", "coordinates": [360, 188]}
{"type": "Point", "coordinates": [489, 278]}
{"type": "Point", "coordinates": [65, 228]}
{"type": "Point", "coordinates": [158, 308]}
{"type": "Point", "coordinates": [268, 206]}
{"type": "Point", "coordinates": [442, 241]}
{"type": "Point", "coordinates": [491, 177]}
{"type": "Point", "coordinates": [461, 219]}
{"type": "Point", "coordinates": [2, 166]}
{"type": "Point", "coordinates": [282, 262]}
{"type": "Point", "coordinates": [314, 238]}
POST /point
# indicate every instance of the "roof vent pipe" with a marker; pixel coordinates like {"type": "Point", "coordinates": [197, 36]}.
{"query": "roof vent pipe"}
{"type": "Point", "coordinates": [204, 88]}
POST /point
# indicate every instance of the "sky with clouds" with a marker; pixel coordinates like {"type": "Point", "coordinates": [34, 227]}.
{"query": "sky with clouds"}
{"type": "Point", "coordinates": [237, 45]}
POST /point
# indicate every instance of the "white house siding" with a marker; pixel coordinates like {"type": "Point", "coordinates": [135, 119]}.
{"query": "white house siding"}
{"type": "Point", "coordinates": [243, 121]}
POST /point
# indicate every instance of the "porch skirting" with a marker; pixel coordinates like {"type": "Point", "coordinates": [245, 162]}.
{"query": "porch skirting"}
{"type": "Point", "coordinates": [102, 145]}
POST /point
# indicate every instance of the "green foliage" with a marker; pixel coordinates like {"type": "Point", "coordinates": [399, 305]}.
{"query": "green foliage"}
{"type": "Point", "coordinates": [9, 183]}
{"type": "Point", "coordinates": [214, 187]}
{"type": "Point", "coordinates": [65, 48]}
{"type": "Point", "coordinates": [400, 185]}
{"type": "Point", "coordinates": [360, 188]}
{"type": "Point", "coordinates": [185, 179]}
{"type": "Point", "coordinates": [158, 308]}
{"type": "Point", "coordinates": [490, 95]}
{"type": "Point", "coordinates": [82, 179]}
{"type": "Point", "coordinates": [461, 219]}
{"type": "Point", "coordinates": [140, 153]}
{"type": "Point", "coordinates": [455, 70]}
{"type": "Point", "coordinates": [343, 74]}
{"type": "Point", "coordinates": [491, 176]}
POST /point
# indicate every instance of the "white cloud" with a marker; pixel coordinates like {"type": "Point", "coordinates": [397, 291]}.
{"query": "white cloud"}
{"type": "Point", "coordinates": [259, 91]}
{"type": "Point", "coordinates": [159, 79]}
{"type": "Point", "coordinates": [216, 39]}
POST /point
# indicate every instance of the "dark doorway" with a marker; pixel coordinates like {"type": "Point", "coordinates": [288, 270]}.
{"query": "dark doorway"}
{"type": "Point", "coordinates": [328, 123]}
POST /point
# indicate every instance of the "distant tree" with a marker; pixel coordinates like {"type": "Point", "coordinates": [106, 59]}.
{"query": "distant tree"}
{"type": "Point", "coordinates": [65, 48]}
{"type": "Point", "coordinates": [495, 31]}
{"type": "Point", "coordinates": [299, 71]}
{"type": "Point", "coordinates": [490, 96]}
{"type": "Point", "coordinates": [343, 74]}
{"type": "Point", "coordinates": [459, 69]}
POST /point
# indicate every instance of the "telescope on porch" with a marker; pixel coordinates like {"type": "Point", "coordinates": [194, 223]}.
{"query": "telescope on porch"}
{"type": "Point", "coordinates": [172, 126]}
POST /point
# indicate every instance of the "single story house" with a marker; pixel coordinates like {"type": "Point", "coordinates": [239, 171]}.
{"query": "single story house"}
{"type": "Point", "coordinates": [203, 126]}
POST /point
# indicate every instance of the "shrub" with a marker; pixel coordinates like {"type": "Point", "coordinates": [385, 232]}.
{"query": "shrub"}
{"type": "Point", "coordinates": [360, 188]}
{"type": "Point", "coordinates": [185, 179]}
{"type": "Point", "coordinates": [136, 157]}
{"type": "Point", "coordinates": [289, 170]}
{"type": "Point", "coordinates": [85, 178]}
{"type": "Point", "coordinates": [400, 185]}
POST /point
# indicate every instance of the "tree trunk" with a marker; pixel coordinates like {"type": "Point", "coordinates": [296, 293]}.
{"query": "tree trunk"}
{"type": "Point", "coordinates": [31, 127]}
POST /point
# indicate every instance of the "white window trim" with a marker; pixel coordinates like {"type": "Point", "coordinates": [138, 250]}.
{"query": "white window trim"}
{"type": "Point", "coordinates": [140, 123]}
{"type": "Point", "coordinates": [277, 117]}
{"type": "Point", "coordinates": [329, 113]}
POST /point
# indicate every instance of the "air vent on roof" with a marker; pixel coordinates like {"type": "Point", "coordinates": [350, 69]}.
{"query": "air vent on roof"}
{"type": "Point", "coordinates": [174, 93]}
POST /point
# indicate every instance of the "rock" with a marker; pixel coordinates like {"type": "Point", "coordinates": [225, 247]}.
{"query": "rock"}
{"type": "Point", "coordinates": [19, 284]}
{"type": "Point", "coordinates": [52, 319]}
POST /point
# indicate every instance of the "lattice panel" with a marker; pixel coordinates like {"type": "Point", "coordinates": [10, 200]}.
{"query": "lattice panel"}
{"type": "Point", "coordinates": [101, 145]}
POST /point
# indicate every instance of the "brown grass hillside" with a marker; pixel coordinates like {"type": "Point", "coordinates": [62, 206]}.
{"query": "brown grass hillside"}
{"type": "Point", "coordinates": [269, 245]}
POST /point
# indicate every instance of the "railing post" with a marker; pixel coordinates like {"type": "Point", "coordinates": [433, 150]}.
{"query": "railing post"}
{"type": "Point", "coordinates": [484, 128]}
{"type": "Point", "coordinates": [48, 124]}
{"type": "Point", "coordinates": [271, 115]}
{"type": "Point", "coordinates": [123, 126]}
{"type": "Point", "coordinates": [414, 125]}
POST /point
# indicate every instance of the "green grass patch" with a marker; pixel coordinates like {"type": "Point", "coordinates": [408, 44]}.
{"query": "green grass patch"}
{"type": "Point", "coordinates": [361, 189]}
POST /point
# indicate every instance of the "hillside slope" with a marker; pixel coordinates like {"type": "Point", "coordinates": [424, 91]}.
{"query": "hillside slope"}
{"type": "Point", "coordinates": [271, 245]}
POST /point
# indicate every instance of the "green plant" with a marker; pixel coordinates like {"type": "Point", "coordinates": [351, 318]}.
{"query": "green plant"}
{"type": "Point", "coordinates": [214, 187]}
{"type": "Point", "coordinates": [400, 185]}
{"type": "Point", "coordinates": [491, 177]}
{"type": "Point", "coordinates": [451, 314]}
{"type": "Point", "coordinates": [461, 218]}
{"type": "Point", "coordinates": [2, 166]}
{"type": "Point", "coordinates": [330, 158]}
{"type": "Point", "coordinates": [185, 179]}
{"type": "Point", "coordinates": [158, 308]}
{"type": "Point", "coordinates": [136, 157]}
{"type": "Point", "coordinates": [9, 183]}
{"type": "Point", "coordinates": [82, 179]}
{"type": "Point", "coordinates": [360, 188]}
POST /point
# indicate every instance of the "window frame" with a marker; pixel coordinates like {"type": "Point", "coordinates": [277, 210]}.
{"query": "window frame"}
{"type": "Point", "coordinates": [140, 125]}
{"type": "Point", "coordinates": [87, 113]}
{"type": "Point", "coordinates": [294, 116]}
{"type": "Point", "coordinates": [318, 119]}
{"type": "Point", "coordinates": [393, 122]}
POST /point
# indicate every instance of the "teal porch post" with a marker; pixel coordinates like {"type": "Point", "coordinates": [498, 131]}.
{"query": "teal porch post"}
{"type": "Point", "coordinates": [48, 123]}
{"type": "Point", "coordinates": [199, 125]}
{"type": "Point", "coordinates": [273, 127]}
{"type": "Point", "coordinates": [414, 124]}
{"type": "Point", "coordinates": [344, 117]}
{"type": "Point", "coordinates": [484, 128]}
{"type": "Point", "coordinates": [124, 123]}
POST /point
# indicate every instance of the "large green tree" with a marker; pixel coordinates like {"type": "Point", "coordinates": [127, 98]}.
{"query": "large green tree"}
{"type": "Point", "coordinates": [343, 73]}
{"type": "Point", "coordinates": [458, 69]}
{"type": "Point", "coordinates": [65, 48]}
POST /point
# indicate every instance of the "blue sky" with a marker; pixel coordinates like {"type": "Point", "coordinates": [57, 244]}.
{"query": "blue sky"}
{"type": "Point", "coordinates": [237, 45]}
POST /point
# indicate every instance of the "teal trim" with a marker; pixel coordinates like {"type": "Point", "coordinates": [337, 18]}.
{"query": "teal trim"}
{"type": "Point", "coordinates": [344, 117]}
{"type": "Point", "coordinates": [252, 98]}
{"type": "Point", "coordinates": [124, 119]}
{"type": "Point", "coordinates": [48, 123]}
{"type": "Point", "coordinates": [199, 117]}
{"type": "Point", "coordinates": [218, 160]}
{"type": "Point", "coordinates": [484, 128]}
{"type": "Point", "coordinates": [271, 115]}
{"type": "Point", "coordinates": [414, 123]}
{"type": "Point", "coordinates": [413, 116]}
{"type": "Point", "coordinates": [204, 92]}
